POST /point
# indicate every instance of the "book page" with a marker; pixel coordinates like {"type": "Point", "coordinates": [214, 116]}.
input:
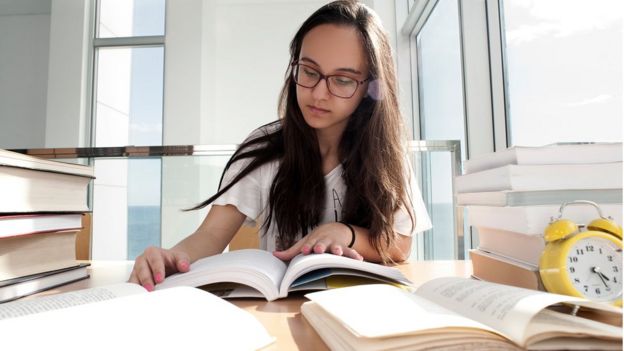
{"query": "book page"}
{"type": "Point", "coordinates": [551, 323]}
{"type": "Point", "coordinates": [303, 264]}
{"type": "Point", "coordinates": [396, 312]}
{"type": "Point", "coordinates": [505, 308]}
{"type": "Point", "coordinates": [258, 269]}
{"type": "Point", "coordinates": [179, 318]}
{"type": "Point", "coordinates": [79, 297]}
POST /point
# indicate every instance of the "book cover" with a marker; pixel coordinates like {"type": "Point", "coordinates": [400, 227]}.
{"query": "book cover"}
{"type": "Point", "coordinates": [540, 197]}
{"type": "Point", "coordinates": [543, 177]}
{"type": "Point", "coordinates": [573, 153]}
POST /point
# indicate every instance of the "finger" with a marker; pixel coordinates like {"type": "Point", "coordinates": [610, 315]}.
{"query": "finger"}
{"type": "Point", "coordinates": [143, 274]}
{"type": "Point", "coordinates": [351, 253]}
{"type": "Point", "coordinates": [288, 254]}
{"type": "Point", "coordinates": [336, 249]}
{"type": "Point", "coordinates": [156, 263]}
{"type": "Point", "coordinates": [182, 261]}
{"type": "Point", "coordinates": [321, 246]}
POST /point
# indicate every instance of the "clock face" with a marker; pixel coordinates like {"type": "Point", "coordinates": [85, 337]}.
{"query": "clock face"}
{"type": "Point", "coordinates": [594, 266]}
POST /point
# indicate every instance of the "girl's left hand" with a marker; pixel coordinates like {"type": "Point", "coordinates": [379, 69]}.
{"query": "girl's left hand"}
{"type": "Point", "coordinates": [332, 238]}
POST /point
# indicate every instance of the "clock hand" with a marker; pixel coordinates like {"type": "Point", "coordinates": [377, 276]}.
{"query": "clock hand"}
{"type": "Point", "coordinates": [600, 275]}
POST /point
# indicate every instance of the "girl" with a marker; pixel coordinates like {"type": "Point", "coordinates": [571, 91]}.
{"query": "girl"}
{"type": "Point", "coordinates": [331, 175]}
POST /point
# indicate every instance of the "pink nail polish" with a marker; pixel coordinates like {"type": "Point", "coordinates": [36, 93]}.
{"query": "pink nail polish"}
{"type": "Point", "coordinates": [148, 287]}
{"type": "Point", "coordinates": [158, 278]}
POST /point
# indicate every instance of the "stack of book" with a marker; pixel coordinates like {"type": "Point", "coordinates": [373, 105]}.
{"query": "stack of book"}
{"type": "Point", "coordinates": [41, 210]}
{"type": "Point", "coordinates": [512, 195]}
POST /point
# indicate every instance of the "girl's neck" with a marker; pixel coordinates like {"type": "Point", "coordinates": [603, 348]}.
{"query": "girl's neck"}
{"type": "Point", "coordinates": [329, 142]}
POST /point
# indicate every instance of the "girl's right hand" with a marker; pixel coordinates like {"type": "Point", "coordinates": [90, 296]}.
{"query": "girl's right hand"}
{"type": "Point", "coordinates": [155, 263]}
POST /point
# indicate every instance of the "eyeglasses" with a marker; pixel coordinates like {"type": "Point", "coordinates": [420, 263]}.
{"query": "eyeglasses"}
{"type": "Point", "coordinates": [337, 84]}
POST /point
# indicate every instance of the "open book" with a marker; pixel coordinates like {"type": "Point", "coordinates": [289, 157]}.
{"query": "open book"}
{"type": "Point", "coordinates": [446, 313]}
{"type": "Point", "coordinates": [257, 273]}
{"type": "Point", "coordinates": [126, 317]}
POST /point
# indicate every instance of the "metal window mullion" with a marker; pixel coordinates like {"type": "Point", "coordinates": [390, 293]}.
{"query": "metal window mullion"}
{"type": "Point", "coordinates": [497, 72]}
{"type": "Point", "coordinates": [154, 40]}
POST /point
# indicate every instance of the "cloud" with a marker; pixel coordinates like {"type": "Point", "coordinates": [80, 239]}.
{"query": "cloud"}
{"type": "Point", "coordinates": [595, 100]}
{"type": "Point", "coordinates": [531, 19]}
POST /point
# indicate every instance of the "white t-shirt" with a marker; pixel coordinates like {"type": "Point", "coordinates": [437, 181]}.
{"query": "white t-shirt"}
{"type": "Point", "coordinates": [251, 197]}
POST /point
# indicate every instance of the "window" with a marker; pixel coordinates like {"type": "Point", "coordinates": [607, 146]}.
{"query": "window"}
{"type": "Point", "coordinates": [127, 110]}
{"type": "Point", "coordinates": [563, 70]}
{"type": "Point", "coordinates": [441, 110]}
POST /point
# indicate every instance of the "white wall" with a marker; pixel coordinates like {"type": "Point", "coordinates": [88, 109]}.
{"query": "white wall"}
{"type": "Point", "coordinates": [224, 67]}
{"type": "Point", "coordinates": [66, 113]}
{"type": "Point", "coordinates": [24, 43]}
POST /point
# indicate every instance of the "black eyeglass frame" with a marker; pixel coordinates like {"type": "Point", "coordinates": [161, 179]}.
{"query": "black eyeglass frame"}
{"type": "Point", "coordinates": [295, 69]}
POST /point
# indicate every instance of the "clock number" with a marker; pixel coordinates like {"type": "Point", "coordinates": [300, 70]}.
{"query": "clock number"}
{"type": "Point", "coordinates": [573, 259]}
{"type": "Point", "coordinates": [615, 279]}
{"type": "Point", "coordinates": [615, 269]}
{"type": "Point", "coordinates": [610, 258]}
{"type": "Point", "coordinates": [577, 280]}
{"type": "Point", "coordinates": [600, 250]}
{"type": "Point", "coordinates": [589, 248]}
{"type": "Point", "coordinates": [586, 288]}
{"type": "Point", "coordinates": [572, 270]}
{"type": "Point", "coordinates": [598, 291]}
{"type": "Point", "coordinates": [579, 251]}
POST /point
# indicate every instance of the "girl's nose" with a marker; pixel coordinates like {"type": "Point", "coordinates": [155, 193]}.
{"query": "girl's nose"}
{"type": "Point", "coordinates": [321, 90]}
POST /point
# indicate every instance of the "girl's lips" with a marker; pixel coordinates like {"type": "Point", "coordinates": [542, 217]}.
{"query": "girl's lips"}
{"type": "Point", "coordinates": [317, 110]}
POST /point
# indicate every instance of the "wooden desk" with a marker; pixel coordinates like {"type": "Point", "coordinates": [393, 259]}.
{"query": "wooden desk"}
{"type": "Point", "coordinates": [281, 318]}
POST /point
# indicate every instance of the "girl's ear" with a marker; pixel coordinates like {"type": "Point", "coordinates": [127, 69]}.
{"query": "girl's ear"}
{"type": "Point", "coordinates": [374, 90]}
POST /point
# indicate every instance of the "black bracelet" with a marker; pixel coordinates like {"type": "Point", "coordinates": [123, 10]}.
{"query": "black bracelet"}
{"type": "Point", "coordinates": [352, 233]}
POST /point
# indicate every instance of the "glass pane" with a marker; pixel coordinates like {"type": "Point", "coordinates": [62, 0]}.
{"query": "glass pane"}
{"type": "Point", "coordinates": [563, 71]}
{"type": "Point", "coordinates": [441, 118]}
{"type": "Point", "coordinates": [187, 181]}
{"type": "Point", "coordinates": [129, 96]}
{"type": "Point", "coordinates": [143, 205]}
{"type": "Point", "coordinates": [126, 207]}
{"type": "Point", "coordinates": [131, 18]}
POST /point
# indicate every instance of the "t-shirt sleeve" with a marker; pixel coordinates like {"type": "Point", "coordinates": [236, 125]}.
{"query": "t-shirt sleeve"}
{"type": "Point", "coordinates": [402, 221]}
{"type": "Point", "coordinates": [246, 194]}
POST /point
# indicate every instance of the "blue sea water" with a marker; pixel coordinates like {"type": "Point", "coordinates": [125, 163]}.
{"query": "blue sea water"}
{"type": "Point", "coordinates": [143, 229]}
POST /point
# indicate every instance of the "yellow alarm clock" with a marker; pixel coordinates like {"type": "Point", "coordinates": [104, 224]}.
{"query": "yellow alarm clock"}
{"type": "Point", "coordinates": [585, 263]}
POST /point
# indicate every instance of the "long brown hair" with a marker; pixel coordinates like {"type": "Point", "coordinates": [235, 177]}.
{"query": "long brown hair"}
{"type": "Point", "coordinates": [371, 148]}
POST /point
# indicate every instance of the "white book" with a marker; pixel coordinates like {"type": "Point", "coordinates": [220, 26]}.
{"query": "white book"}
{"type": "Point", "coordinates": [533, 220]}
{"type": "Point", "coordinates": [455, 314]}
{"type": "Point", "coordinates": [257, 273]}
{"type": "Point", "coordinates": [15, 159]}
{"type": "Point", "coordinates": [581, 153]}
{"type": "Point", "coordinates": [127, 317]}
{"type": "Point", "coordinates": [540, 197]}
{"type": "Point", "coordinates": [525, 248]}
{"type": "Point", "coordinates": [13, 225]}
{"type": "Point", "coordinates": [543, 177]}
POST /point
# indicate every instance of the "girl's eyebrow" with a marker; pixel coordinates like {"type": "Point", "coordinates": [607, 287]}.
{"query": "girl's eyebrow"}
{"type": "Point", "coordinates": [344, 69]}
